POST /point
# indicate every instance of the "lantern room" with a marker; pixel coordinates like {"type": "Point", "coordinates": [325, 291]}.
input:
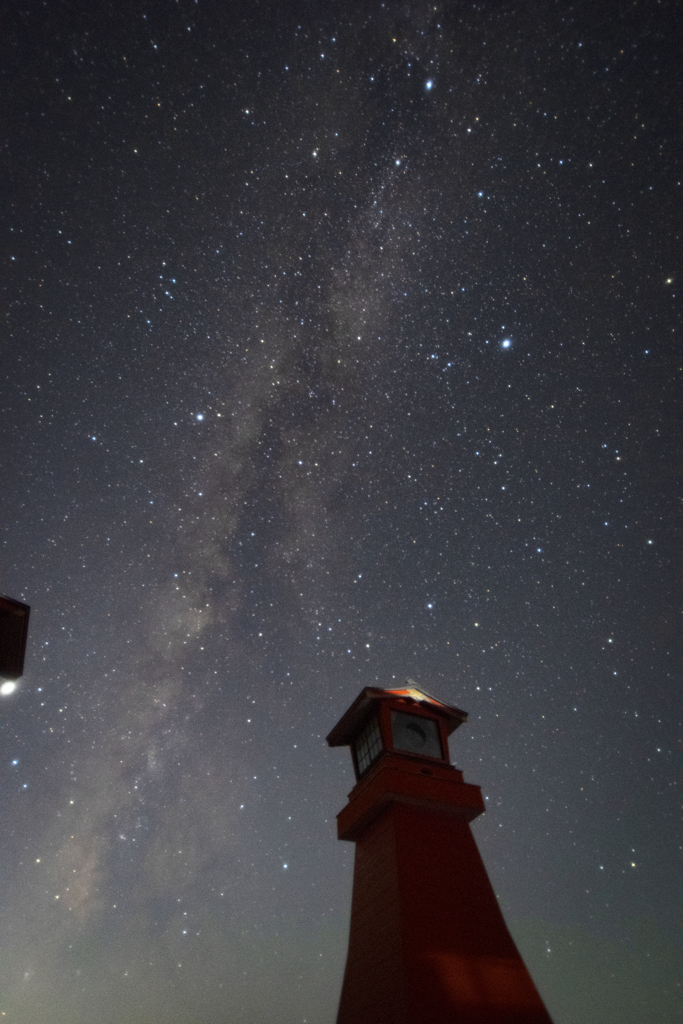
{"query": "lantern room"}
{"type": "Point", "coordinates": [409, 722]}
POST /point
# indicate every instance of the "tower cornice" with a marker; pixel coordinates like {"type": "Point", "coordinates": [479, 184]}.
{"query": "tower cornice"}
{"type": "Point", "coordinates": [401, 779]}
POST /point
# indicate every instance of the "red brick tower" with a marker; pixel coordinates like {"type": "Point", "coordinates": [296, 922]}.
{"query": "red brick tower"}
{"type": "Point", "coordinates": [428, 943]}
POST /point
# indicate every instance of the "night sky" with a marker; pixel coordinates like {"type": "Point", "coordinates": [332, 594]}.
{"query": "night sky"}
{"type": "Point", "coordinates": [341, 345]}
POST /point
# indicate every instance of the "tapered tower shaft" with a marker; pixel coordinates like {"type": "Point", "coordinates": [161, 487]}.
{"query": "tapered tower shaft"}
{"type": "Point", "coordinates": [428, 943]}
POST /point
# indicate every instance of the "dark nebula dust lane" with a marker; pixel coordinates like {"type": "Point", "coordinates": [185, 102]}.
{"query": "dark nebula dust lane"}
{"type": "Point", "coordinates": [341, 345]}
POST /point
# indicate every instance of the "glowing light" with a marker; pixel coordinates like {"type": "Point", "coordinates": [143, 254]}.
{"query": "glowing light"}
{"type": "Point", "coordinates": [7, 688]}
{"type": "Point", "coordinates": [429, 84]}
{"type": "Point", "coordinates": [200, 415]}
{"type": "Point", "coordinates": [506, 343]}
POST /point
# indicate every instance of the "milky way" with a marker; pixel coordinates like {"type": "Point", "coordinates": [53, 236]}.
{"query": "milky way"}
{"type": "Point", "coordinates": [340, 346]}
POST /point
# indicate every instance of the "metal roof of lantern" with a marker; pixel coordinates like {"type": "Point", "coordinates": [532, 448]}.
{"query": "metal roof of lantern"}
{"type": "Point", "coordinates": [350, 724]}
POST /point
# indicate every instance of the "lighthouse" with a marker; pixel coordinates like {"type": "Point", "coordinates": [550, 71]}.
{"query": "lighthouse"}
{"type": "Point", "coordinates": [428, 943]}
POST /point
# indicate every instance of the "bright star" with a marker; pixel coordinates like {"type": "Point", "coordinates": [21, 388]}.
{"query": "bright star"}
{"type": "Point", "coordinates": [7, 688]}
{"type": "Point", "coordinates": [506, 343]}
{"type": "Point", "coordinates": [429, 84]}
{"type": "Point", "coordinates": [200, 415]}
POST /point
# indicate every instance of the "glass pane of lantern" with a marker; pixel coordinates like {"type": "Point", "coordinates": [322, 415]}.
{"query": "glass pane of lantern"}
{"type": "Point", "coordinates": [415, 734]}
{"type": "Point", "coordinates": [368, 745]}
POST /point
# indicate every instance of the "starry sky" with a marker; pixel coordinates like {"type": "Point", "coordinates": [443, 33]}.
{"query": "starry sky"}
{"type": "Point", "coordinates": [340, 345]}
